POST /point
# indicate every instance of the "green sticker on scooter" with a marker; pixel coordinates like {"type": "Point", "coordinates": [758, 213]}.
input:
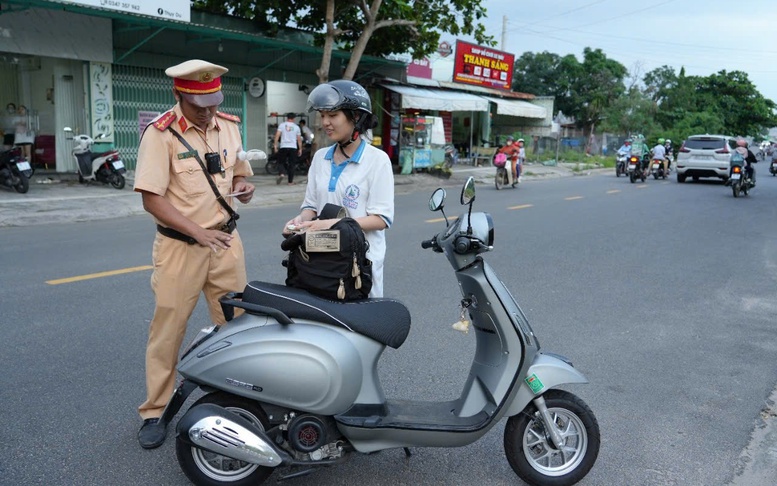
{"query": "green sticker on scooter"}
{"type": "Point", "coordinates": [534, 383]}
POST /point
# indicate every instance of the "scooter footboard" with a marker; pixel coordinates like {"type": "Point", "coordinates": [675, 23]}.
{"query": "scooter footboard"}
{"type": "Point", "coordinates": [546, 371]}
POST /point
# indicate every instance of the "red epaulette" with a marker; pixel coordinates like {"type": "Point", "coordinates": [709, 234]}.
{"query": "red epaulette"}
{"type": "Point", "coordinates": [229, 117]}
{"type": "Point", "coordinates": [164, 120]}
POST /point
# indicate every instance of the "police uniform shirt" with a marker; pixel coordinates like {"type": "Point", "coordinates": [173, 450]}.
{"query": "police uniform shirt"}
{"type": "Point", "coordinates": [167, 168]}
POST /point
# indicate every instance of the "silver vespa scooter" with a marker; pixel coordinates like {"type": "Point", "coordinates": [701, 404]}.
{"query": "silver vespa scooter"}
{"type": "Point", "coordinates": [294, 381]}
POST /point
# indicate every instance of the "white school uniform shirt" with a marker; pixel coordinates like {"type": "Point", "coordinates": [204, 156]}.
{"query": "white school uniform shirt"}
{"type": "Point", "coordinates": [363, 185]}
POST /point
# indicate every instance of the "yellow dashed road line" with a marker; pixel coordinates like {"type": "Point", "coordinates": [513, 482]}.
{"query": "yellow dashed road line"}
{"type": "Point", "coordinates": [522, 206]}
{"type": "Point", "coordinates": [98, 275]}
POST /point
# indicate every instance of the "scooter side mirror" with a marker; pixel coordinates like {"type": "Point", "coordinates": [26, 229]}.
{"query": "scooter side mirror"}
{"type": "Point", "coordinates": [437, 201]}
{"type": "Point", "coordinates": [468, 191]}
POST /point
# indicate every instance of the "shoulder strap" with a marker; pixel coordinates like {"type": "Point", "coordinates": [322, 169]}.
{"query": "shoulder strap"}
{"type": "Point", "coordinates": [219, 197]}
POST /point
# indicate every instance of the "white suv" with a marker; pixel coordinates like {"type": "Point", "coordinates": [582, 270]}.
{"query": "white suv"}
{"type": "Point", "coordinates": [704, 156]}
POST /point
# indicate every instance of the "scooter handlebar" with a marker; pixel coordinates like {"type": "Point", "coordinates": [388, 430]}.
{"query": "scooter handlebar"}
{"type": "Point", "coordinates": [426, 244]}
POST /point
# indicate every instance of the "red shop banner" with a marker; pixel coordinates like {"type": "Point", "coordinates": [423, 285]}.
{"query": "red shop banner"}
{"type": "Point", "coordinates": [483, 66]}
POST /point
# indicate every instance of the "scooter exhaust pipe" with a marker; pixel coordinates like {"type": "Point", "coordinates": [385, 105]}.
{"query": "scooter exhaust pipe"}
{"type": "Point", "coordinates": [216, 429]}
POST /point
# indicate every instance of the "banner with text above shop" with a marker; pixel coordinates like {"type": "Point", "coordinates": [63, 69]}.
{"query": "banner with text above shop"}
{"type": "Point", "coordinates": [179, 10]}
{"type": "Point", "coordinates": [483, 66]}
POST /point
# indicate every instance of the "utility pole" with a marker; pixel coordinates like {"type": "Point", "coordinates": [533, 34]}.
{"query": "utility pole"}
{"type": "Point", "coordinates": [504, 32]}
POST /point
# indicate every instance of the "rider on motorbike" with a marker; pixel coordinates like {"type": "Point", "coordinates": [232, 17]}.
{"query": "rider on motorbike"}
{"type": "Point", "coordinates": [640, 149]}
{"type": "Point", "coordinates": [659, 154]}
{"type": "Point", "coordinates": [625, 148]}
{"type": "Point", "coordinates": [669, 154]}
{"type": "Point", "coordinates": [512, 151]}
{"type": "Point", "coordinates": [743, 150]}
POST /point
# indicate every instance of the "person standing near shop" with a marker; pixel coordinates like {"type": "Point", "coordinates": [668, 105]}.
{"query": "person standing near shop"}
{"type": "Point", "coordinates": [186, 155]}
{"type": "Point", "coordinates": [9, 130]}
{"type": "Point", "coordinates": [289, 136]}
{"type": "Point", "coordinates": [24, 136]}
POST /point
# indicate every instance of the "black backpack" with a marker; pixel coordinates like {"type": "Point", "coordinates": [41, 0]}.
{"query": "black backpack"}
{"type": "Point", "coordinates": [331, 271]}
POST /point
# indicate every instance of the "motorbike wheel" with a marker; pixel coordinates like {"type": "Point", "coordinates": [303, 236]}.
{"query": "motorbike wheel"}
{"type": "Point", "coordinates": [23, 185]}
{"type": "Point", "coordinates": [501, 178]}
{"type": "Point", "coordinates": [617, 171]}
{"type": "Point", "coordinates": [207, 468]}
{"type": "Point", "coordinates": [271, 167]}
{"type": "Point", "coordinates": [735, 189]}
{"type": "Point", "coordinates": [118, 181]}
{"type": "Point", "coordinates": [655, 175]}
{"type": "Point", "coordinates": [531, 452]}
{"type": "Point", "coordinates": [632, 177]}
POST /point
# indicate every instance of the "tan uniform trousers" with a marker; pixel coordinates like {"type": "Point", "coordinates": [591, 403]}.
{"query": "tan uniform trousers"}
{"type": "Point", "coordinates": [181, 272]}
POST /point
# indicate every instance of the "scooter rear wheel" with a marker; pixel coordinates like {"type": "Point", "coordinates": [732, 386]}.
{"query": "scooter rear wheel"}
{"type": "Point", "coordinates": [23, 185]}
{"type": "Point", "coordinates": [118, 181]}
{"type": "Point", "coordinates": [531, 452]}
{"type": "Point", "coordinates": [207, 468]}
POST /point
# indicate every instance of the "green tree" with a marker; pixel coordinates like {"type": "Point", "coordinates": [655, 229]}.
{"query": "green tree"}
{"type": "Point", "coordinates": [582, 89]}
{"type": "Point", "coordinates": [363, 27]}
{"type": "Point", "coordinates": [547, 74]}
{"type": "Point", "coordinates": [631, 113]}
{"type": "Point", "coordinates": [599, 82]}
{"type": "Point", "coordinates": [743, 110]}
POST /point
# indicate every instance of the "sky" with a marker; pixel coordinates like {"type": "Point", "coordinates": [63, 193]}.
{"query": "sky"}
{"type": "Point", "coordinates": [704, 36]}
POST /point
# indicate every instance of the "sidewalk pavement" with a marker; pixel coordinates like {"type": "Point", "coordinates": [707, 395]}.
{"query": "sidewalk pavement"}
{"type": "Point", "coordinates": [59, 198]}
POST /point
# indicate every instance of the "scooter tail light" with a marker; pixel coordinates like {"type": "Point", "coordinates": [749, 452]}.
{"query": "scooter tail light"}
{"type": "Point", "coordinates": [737, 170]}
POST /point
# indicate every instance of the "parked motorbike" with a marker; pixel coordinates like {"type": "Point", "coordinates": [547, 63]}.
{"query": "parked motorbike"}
{"type": "Point", "coordinates": [293, 382]}
{"type": "Point", "coordinates": [301, 168]}
{"type": "Point", "coordinates": [740, 182]}
{"type": "Point", "coordinates": [636, 171]}
{"type": "Point", "coordinates": [620, 165]}
{"type": "Point", "coordinates": [106, 167]}
{"type": "Point", "coordinates": [657, 169]}
{"type": "Point", "coordinates": [15, 171]}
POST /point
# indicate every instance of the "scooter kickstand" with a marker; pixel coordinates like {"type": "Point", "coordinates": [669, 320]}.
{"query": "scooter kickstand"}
{"type": "Point", "coordinates": [407, 452]}
{"type": "Point", "coordinates": [297, 474]}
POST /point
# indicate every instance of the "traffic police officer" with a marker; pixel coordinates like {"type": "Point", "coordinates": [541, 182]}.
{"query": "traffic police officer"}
{"type": "Point", "coordinates": [197, 248]}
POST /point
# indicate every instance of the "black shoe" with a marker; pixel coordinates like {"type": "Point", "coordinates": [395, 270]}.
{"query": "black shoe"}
{"type": "Point", "coordinates": [152, 434]}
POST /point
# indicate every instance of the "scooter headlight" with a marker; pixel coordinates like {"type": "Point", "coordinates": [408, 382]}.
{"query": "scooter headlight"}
{"type": "Point", "coordinates": [201, 336]}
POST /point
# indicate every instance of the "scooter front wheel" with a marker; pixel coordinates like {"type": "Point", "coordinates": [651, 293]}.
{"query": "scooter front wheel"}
{"type": "Point", "coordinates": [501, 178]}
{"type": "Point", "coordinates": [207, 468]}
{"type": "Point", "coordinates": [531, 452]}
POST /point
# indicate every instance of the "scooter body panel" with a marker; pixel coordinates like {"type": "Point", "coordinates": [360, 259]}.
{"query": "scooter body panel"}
{"type": "Point", "coordinates": [546, 371]}
{"type": "Point", "coordinates": [502, 357]}
{"type": "Point", "coordinates": [305, 366]}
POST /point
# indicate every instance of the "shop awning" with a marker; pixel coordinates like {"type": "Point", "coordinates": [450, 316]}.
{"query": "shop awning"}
{"type": "Point", "coordinates": [437, 99]}
{"type": "Point", "coordinates": [517, 108]}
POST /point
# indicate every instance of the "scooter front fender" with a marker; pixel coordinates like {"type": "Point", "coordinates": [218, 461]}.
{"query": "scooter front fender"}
{"type": "Point", "coordinates": [546, 371]}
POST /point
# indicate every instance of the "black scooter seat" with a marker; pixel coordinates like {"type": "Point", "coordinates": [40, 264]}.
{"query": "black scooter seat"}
{"type": "Point", "coordinates": [384, 320]}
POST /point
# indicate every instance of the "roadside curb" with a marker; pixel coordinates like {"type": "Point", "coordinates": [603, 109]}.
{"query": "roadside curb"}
{"type": "Point", "coordinates": [60, 198]}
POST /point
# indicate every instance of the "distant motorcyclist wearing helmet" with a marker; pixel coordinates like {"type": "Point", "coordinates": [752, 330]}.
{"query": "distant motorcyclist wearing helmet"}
{"type": "Point", "coordinates": [625, 148]}
{"type": "Point", "coordinates": [521, 159]}
{"type": "Point", "coordinates": [640, 149]}
{"type": "Point", "coordinates": [669, 154]}
{"type": "Point", "coordinates": [749, 157]}
{"type": "Point", "coordinates": [351, 173]}
{"type": "Point", "coordinates": [511, 150]}
{"type": "Point", "coordinates": [659, 154]}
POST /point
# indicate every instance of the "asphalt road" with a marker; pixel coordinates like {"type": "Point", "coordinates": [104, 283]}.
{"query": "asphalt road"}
{"type": "Point", "coordinates": [662, 294]}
